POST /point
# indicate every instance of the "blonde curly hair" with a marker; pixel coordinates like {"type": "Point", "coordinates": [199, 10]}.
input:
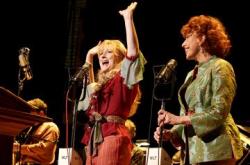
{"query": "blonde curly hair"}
{"type": "Point", "coordinates": [131, 127]}
{"type": "Point", "coordinates": [120, 52]}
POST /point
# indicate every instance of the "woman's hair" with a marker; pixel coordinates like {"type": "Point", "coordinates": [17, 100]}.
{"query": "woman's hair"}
{"type": "Point", "coordinates": [38, 104]}
{"type": "Point", "coordinates": [136, 102]}
{"type": "Point", "coordinates": [217, 41]}
{"type": "Point", "coordinates": [116, 46]}
{"type": "Point", "coordinates": [131, 127]}
{"type": "Point", "coordinates": [119, 51]}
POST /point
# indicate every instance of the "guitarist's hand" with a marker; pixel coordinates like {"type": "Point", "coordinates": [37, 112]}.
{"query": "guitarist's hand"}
{"type": "Point", "coordinates": [16, 147]}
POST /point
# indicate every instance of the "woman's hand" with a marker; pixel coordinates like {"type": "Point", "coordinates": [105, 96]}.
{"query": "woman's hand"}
{"type": "Point", "coordinates": [128, 12]}
{"type": "Point", "coordinates": [166, 134]}
{"type": "Point", "coordinates": [165, 117]}
{"type": "Point", "coordinates": [92, 52]}
{"type": "Point", "coordinates": [131, 35]}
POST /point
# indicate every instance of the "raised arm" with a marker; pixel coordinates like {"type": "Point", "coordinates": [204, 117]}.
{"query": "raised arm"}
{"type": "Point", "coordinates": [89, 59]}
{"type": "Point", "coordinates": [131, 35]}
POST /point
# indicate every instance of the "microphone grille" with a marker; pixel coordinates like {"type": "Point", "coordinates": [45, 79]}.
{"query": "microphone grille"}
{"type": "Point", "coordinates": [172, 64]}
{"type": "Point", "coordinates": [24, 50]}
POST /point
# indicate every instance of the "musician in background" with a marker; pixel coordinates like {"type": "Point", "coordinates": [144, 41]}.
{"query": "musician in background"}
{"type": "Point", "coordinates": [40, 141]}
{"type": "Point", "coordinates": [137, 154]}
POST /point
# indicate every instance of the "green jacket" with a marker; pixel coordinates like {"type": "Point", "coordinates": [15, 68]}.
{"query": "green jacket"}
{"type": "Point", "coordinates": [213, 134]}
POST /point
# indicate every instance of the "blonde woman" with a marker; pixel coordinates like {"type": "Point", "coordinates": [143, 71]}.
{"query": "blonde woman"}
{"type": "Point", "coordinates": [111, 95]}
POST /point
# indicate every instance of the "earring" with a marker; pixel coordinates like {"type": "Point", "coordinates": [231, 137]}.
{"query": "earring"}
{"type": "Point", "coordinates": [202, 49]}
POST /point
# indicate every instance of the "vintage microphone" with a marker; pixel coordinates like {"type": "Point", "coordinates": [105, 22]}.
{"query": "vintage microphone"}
{"type": "Point", "coordinates": [25, 72]}
{"type": "Point", "coordinates": [83, 71]}
{"type": "Point", "coordinates": [167, 71]}
{"type": "Point", "coordinates": [24, 62]}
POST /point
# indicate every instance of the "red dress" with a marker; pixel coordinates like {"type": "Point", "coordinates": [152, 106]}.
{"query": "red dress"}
{"type": "Point", "coordinates": [115, 99]}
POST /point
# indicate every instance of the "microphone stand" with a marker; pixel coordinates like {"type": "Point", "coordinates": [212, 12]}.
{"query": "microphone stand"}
{"type": "Point", "coordinates": [74, 120]}
{"type": "Point", "coordinates": [162, 127]}
{"type": "Point", "coordinates": [72, 83]}
{"type": "Point", "coordinates": [161, 83]}
{"type": "Point", "coordinates": [20, 82]}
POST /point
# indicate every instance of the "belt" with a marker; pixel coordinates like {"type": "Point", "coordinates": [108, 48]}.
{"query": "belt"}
{"type": "Point", "coordinates": [30, 163]}
{"type": "Point", "coordinates": [96, 132]}
{"type": "Point", "coordinates": [110, 118]}
{"type": "Point", "coordinates": [114, 119]}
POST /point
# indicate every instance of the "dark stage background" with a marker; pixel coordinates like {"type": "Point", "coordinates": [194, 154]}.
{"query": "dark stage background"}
{"type": "Point", "coordinates": [44, 27]}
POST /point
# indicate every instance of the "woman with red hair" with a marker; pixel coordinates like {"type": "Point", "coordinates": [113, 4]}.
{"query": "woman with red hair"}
{"type": "Point", "coordinates": [205, 126]}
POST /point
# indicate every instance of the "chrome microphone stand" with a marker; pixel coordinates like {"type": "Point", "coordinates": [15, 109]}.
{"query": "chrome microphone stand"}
{"type": "Point", "coordinates": [163, 91]}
